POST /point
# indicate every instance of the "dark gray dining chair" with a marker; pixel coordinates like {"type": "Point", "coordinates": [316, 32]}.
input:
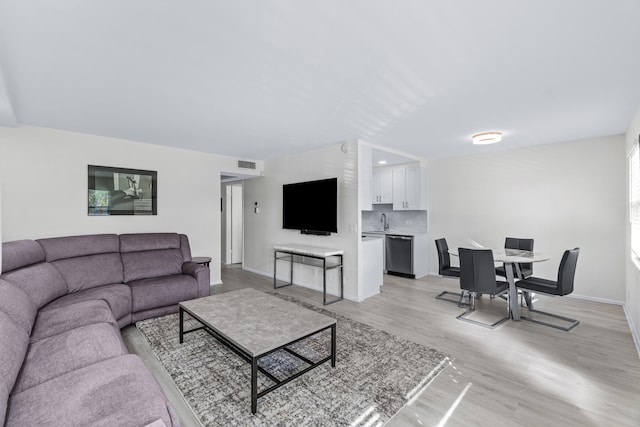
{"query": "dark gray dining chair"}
{"type": "Point", "coordinates": [446, 270]}
{"type": "Point", "coordinates": [561, 287]}
{"type": "Point", "coordinates": [478, 277]}
{"type": "Point", "coordinates": [526, 269]}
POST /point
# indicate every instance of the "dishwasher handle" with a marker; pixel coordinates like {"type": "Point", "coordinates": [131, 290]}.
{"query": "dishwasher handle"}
{"type": "Point", "coordinates": [400, 237]}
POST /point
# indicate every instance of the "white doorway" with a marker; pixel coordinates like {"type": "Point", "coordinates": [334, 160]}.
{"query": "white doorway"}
{"type": "Point", "coordinates": [233, 227]}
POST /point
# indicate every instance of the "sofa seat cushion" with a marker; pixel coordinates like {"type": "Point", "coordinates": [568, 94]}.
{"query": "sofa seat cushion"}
{"type": "Point", "coordinates": [68, 351]}
{"type": "Point", "coordinates": [162, 291]}
{"type": "Point", "coordinates": [58, 320]}
{"type": "Point", "coordinates": [13, 344]}
{"type": "Point", "coordinates": [114, 392]}
{"type": "Point", "coordinates": [17, 305]}
{"type": "Point", "coordinates": [118, 297]}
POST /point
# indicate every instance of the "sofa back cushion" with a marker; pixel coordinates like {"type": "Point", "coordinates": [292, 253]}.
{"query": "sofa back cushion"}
{"type": "Point", "coordinates": [85, 261]}
{"type": "Point", "coordinates": [18, 306]}
{"type": "Point", "coordinates": [20, 253]}
{"type": "Point", "coordinates": [56, 248]}
{"type": "Point", "coordinates": [150, 255]}
{"type": "Point", "coordinates": [13, 342]}
{"type": "Point", "coordinates": [185, 248]}
{"type": "Point", "coordinates": [23, 266]}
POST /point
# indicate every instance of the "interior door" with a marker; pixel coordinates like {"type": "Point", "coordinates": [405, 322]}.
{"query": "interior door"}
{"type": "Point", "coordinates": [237, 225]}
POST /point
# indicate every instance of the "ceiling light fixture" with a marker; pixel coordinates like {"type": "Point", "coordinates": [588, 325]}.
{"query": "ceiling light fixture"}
{"type": "Point", "coordinates": [382, 162]}
{"type": "Point", "coordinates": [486, 138]}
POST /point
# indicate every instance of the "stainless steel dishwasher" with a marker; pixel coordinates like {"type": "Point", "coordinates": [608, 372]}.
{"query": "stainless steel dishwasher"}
{"type": "Point", "coordinates": [399, 251]}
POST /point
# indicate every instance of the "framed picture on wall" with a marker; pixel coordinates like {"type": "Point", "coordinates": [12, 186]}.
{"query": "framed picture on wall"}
{"type": "Point", "coordinates": [119, 191]}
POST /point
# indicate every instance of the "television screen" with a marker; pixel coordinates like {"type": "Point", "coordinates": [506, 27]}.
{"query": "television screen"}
{"type": "Point", "coordinates": [311, 207]}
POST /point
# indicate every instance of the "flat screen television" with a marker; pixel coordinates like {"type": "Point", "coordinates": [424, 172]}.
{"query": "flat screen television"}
{"type": "Point", "coordinates": [311, 207]}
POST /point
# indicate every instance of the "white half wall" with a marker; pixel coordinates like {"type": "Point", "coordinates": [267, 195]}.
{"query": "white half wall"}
{"type": "Point", "coordinates": [44, 188]}
{"type": "Point", "coordinates": [264, 229]}
{"type": "Point", "coordinates": [632, 291]}
{"type": "Point", "coordinates": [562, 195]}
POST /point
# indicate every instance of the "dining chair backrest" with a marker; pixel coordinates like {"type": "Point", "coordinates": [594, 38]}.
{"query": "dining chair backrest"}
{"type": "Point", "coordinates": [477, 271]}
{"type": "Point", "coordinates": [522, 244]}
{"type": "Point", "coordinates": [444, 261]}
{"type": "Point", "coordinates": [567, 271]}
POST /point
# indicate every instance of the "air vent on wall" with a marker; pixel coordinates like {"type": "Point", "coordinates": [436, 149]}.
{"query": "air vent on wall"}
{"type": "Point", "coordinates": [243, 164]}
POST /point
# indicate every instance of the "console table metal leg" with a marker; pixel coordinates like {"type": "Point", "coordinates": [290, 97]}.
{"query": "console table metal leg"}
{"type": "Point", "coordinates": [291, 270]}
{"type": "Point", "coordinates": [324, 281]}
{"type": "Point", "coordinates": [333, 346]}
{"type": "Point", "coordinates": [341, 277]}
{"type": "Point", "coordinates": [275, 275]}
{"type": "Point", "coordinates": [254, 385]}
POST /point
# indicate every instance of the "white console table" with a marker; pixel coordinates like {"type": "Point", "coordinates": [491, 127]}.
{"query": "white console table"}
{"type": "Point", "coordinates": [315, 256]}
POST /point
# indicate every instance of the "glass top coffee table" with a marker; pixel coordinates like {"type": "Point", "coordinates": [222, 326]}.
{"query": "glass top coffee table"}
{"type": "Point", "coordinates": [254, 325]}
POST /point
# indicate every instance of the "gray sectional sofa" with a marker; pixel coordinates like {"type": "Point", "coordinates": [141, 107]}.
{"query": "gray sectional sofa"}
{"type": "Point", "coordinates": [62, 303]}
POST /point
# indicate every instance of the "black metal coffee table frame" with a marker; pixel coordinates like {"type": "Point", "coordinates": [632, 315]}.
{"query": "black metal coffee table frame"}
{"type": "Point", "coordinates": [253, 360]}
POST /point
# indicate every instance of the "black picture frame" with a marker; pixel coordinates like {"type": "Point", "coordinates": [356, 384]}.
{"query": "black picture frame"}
{"type": "Point", "coordinates": [121, 191]}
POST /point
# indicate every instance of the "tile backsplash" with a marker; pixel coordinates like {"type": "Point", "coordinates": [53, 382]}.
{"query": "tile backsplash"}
{"type": "Point", "coordinates": [415, 221]}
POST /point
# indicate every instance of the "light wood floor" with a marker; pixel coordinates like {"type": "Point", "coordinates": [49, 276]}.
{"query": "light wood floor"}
{"type": "Point", "coordinates": [520, 374]}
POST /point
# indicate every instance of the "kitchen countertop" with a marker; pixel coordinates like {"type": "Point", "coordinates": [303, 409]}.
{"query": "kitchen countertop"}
{"type": "Point", "coordinates": [396, 232]}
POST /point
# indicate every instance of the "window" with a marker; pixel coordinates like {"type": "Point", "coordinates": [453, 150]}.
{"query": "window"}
{"type": "Point", "coordinates": [634, 199]}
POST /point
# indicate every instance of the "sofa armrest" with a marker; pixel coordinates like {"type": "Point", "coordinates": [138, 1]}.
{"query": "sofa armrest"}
{"type": "Point", "coordinates": [201, 274]}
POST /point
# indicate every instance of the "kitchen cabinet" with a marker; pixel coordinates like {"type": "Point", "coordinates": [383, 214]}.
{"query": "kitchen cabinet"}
{"type": "Point", "coordinates": [365, 172]}
{"type": "Point", "coordinates": [409, 188]}
{"type": "Point", "coordinates": [372, 265]}
{"type": "Point", "coordinates": [382, 185]}
{"type": "Point", "coordinates": [381, 236]}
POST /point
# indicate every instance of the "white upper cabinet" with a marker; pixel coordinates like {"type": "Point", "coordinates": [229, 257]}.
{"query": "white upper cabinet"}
{"type": "Point", "coordinates": [382, 185]}
{"type": "Point", "coordinates": [409, 188]}
{"type": "Point", "coordinates": [365, 174]}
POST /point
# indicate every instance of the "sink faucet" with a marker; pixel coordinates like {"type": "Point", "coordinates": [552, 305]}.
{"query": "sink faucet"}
{"type": "Point", "coordinates": [383, 219]}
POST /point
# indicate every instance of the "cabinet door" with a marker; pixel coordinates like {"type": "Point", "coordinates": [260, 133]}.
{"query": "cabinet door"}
{"type": "Point", "coordinates": [365, 177]}
{"type": "Point", "coordinates": [382, 185]}
{"type": "Point", "coordinates": [409, 188]}
{"type": "Point", "coordinates": [413, 187]}
{"type": "Point", "coordinates": [399, 184]}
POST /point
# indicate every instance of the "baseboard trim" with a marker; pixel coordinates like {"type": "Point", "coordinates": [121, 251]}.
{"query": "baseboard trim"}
{"type": "Point", "coordinates": [302, 284]}
{"type": "Point", "coordinates": [596, 299]}
{"type": "Point", "coordinates": [634, 331]}
{"type": "Point", "coordinates": [627, 313]}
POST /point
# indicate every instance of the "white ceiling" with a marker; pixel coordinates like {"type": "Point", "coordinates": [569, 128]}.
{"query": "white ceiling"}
{"type": "Point", "coordinates": [260, 79]}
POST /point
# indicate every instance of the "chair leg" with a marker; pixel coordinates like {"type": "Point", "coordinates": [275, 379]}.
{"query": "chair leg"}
{"type": "Point", "coordinates": [572, 322]}
{"type": "Point", "coordinates": [458, 296]}
{"type": "Point", "coordinates": [472, 308]}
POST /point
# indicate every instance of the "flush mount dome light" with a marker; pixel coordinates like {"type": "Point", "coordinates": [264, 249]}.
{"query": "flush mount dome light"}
{"type": "Point", "coordinates": [486, 138]}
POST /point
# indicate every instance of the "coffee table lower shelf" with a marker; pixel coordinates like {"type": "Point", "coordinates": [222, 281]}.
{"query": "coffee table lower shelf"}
{"type": "Point", "coordinates": [254, 359]}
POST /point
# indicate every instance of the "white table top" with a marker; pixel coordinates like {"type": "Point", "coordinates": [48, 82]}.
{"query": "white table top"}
{"type": "Point", "coordinates": [513, 255]}
{"type": "Point", "coordinates": [517, 255]}
{"type": "Point", "coordinates": [308, 250]}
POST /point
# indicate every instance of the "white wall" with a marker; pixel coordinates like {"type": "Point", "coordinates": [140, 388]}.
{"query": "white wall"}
{"type": "Point", "coordinates": [264, 229]}
{"type": "Point", "coordinates": [632, 294]}
{"type": "Point", "coordinates": [44, 193]}
{"type": "Point", "coordinates": [562, 195]}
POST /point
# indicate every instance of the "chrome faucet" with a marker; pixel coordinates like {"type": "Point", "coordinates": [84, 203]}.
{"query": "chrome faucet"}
{"type": "Point", "coordinates": [383, 219]}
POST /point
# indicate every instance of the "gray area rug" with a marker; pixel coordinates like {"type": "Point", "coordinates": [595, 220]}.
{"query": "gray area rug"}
{"type": "Point", "coordinates": [376, 374]}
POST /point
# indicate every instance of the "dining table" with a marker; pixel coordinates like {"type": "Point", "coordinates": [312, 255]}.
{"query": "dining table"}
{"type": "Point", "coordinates": [513, 257]}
